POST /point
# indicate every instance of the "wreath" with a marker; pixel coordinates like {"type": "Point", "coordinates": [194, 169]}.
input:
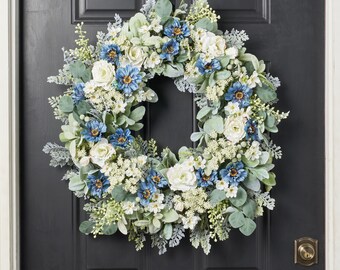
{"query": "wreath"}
{"type": "Point", "coordinates": [127, 183]}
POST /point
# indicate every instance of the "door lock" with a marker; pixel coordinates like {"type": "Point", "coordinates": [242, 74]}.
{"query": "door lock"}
{"type": "Point", "coordinates": [306, 251]}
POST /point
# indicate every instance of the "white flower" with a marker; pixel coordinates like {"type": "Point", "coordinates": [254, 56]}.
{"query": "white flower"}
{"type": "Point", "coordinates": [101, 151]}
{"type": "Point", "coordinates": [129, 207]}
{"type": "Point", "coordinates": [156, 24]}
{"type": "Point", "coordinates": [232, 108]}
{"type": "Point", "coordinates": [253, 153]}
{"type": "Point", "coordinates": [181, 178]}
{"type": "Point", "coordinates": [119, 106]}
{"type": "Point", "coordinates": [153, 60]}
{"type": "Point", "coordinates": [232, 52]}
{"type": "Point", "coordinates": [231, 192]}
{"type": "Point", "coordinates": [158, 197]}
{"type": "Point", "coordinates": [144, 29]}
{"type": "Point", "coordinates": [178, 203]}
{"type": "Point", "coordinates": [199, 163]}
{"type": "Point", "coordinates": [222, 185]}
{"type": "Point", "coordinates": [189, 162]}
{"type": "Point", "coordinates": [103, 72]}
{"type": "Point", "coordinates": [234, 128]}
{"type": "Point", "coordinates": [84, 161]}
{"type": "Point", "coordinates": [253, 80]}
{"type": "Point", "coordinates": [141, 160]}
{"type": "Point", "coordinates": [136, 56]}
{"type": "Point", "coordinates": [155, 207]}
{"type": "Point", "coordinates": [190, 222]}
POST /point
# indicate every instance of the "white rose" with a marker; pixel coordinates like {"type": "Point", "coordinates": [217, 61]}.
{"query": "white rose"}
{"type": "Point", "coordinates": [103, 72]}
{"type": "Point", "coordinates": [232, 52]}
{"type": "Point", "coordinates": [232, 107]}
{"type": "Point", "coordinates": [234, 129]}
{"type": "Point", "coordinates": [136, 56]}
{"type": "Point", "coordinates": [101, 151]}
{"type": "Point", "coordinates": [84, 161]}
{"type": "Point", "coordinates": [220, 45]}
{"type": "Point", "coordinates": [181, 178]}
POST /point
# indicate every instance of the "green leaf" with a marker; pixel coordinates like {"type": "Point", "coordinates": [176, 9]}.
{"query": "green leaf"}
{"type": "Point", "coordinates": [270, 181]}
{"type": "Point", "coordinates": [236, 219]}
{"type": "Point", "coordinates": [196, 136]}
{"type": "Point", "coordinates": [215, 123]}
{"type": "Point", "coordinates": [167, 231]}
{"type": "Point", "coordinates": [170, 216]}
{"type": "Point", "coordinates": [217, 196]}
{"type": "Point", "coordinates": [169, 158]}
{"type": "Point", "coordinates": [265, 93]}
{"type": "Point", "coordinates": [118, 193]}
{"type": "Point", "coordinates": [270, 121]}
{"type": "Point", "coordinates": [184, 152]}
{"type": "Point", "coordinates": [225, 61]}
{"type": "Point", "coordinates": [222, 75]}
{"type": "Point", "coordinates": [76, 184]}
{"type": "Point", "coordinates": [110, 229]}
{"type": "Point", "coordinates": [240, 198]}
{"type": "Point", "coordinates": [83, 107]}
{"type": "Point", "coordinates": [136, 127]}
{"type": "Point", "coordinates": [248, 227]}
{"type": "Point", "coordinates": [250, 163]}
{"type": "Point", "coordinates": [264, 158]}
{"type": "Point", "coordinates": [79, 70]}
{"type": "Point", "coordinates": [173, 70]}
{"type": "Point", "coordinates": [260, 173]}
{"type": "Point", "coordinates": [163, 8]}
{"type": "Point", "coordinates": [121, 227]}
{"type": "Point", "coordinates": [249, 208]}
{"type": "Point", "coordinates": [212, 81]}
{"type": "Point", "coordinates": [136, 22]}
{"type": "Point", "coordinates": [142, 223]}
{"type": "Point", "coordinates": [86, 227]}
{"type": "Point", "coordinates": [252, 183]}
{"type": "Point", "coordinates": [205, 23]}
{"type": "Point", "coordinates": [66, 104]}
{"type": "Point", "coordinates": [137, 114]}
{"type": "Point", "coordinates": [203, 112]}
{"type": "Point", "coordinates": [156, 223]}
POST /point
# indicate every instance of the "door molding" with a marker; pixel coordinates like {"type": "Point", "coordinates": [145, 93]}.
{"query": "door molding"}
{"type": "Point", "coordinates": [9, 143]}
{"type": "Point", "coordinates": [9, 162]}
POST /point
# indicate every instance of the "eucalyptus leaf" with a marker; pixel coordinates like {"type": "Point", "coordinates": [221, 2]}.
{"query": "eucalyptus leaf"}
{"type": "Point", "coordinates": [236, 219]}
{"type": "Point", "coordinates": [142, 223]}
{"type": "Point", "coordinates": [118, 193]}
{"type": "Point", "coordinates": [76, 184]}
{"type": "Point", "coordinates": [196, 136]}
{"type": "Point", "coordinates": [137, 114]}
{"type": "Point", "coordinates": [248, 227]}
{"type": "Point", "coordinates": [270, 121]}
{"type": "Point", "coordinates": [265, 93]}
{"type": "Point", "coordinates": [205, 23]}
{"type": "Point", "coordinates": [240, 198]}
{"type": "Point", "coordinates": [173, 70]}
{"type": "Point", "coordinates": [222, 75]}
{"type": "Point", "coordinates": [260, 173]}
{"type": "Point", "coordinates": [215, 123]}
{"type": "Point", "coordinates": [203, 112]}
{"type": "Point", "coordinates": [249, 208]}
{"type": "Point", "coordinates": [163, 8]}
{"type": "Point", "coordinates": [170, 216]}
{"type": "Point", "coordinates": [110, 229]}
{"type": "Point", "coordinates": [83, 107]}
{"type": "Point", "coordinates": [66, 104]}
{"type": "Point", "coordinates": [86, 227]}
{"type": "Point", "coordinates": [217, 196]}
{"type": "Point", "coordinates": [252, 183]}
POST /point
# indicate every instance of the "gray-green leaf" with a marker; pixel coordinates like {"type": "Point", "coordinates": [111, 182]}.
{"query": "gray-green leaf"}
{"type": "Point", "coordinates": [66, 104]}
{"type": "Point", "coordinates": [86, 227]}
{"type": "Point", "coordinates": [110, 229]}
{"type": "Point", "coordinates": [236, 219]}
{"type": "Point", "coordinates": [248, 227]}
{"type": "Point", "coordinates": [217, 196]}
{"type": "Point", "coordinates": [163, 8]}
{"type": "Point", "coordinates": [118, 193]}
{"type": "Point", "coordinates": [240, 198]}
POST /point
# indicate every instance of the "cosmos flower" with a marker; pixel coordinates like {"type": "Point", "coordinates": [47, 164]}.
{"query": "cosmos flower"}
{"type": "Point", "coordinates": [78, 93]}
{"type": "Point", "coordinates": [169, 50]}
{"type": "Point", "coordinates": [177, 30]}
{"type": "Point", "coordinates": [234, 173]}
{"type": "Point", "coordinates": [204, 180]}
{"type": "Point", "coordinates": [239, 93]}
{"type": "Point", "coordinates": [208, 67]}
{"type": "Point", "coordinates": [121, 138]}
{"type": "Point", "coordinates": [128, 79]}
{"type": "Point", "coordinates": [93, 131]}
{"type": "Point", "coordinates": [145, 192]}
{"type": "Point", "coordinates": [251, 130]}
{"type": "Point", "coordinates": [157, 179]}
{"type": "Point", "coordinates": [97, 184]}
{"type": "Point", "coordinates": [110, 53]}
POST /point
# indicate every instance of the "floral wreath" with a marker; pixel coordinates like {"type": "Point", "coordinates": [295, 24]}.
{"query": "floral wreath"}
{"type": "Point", "coordinates": [128, 184]}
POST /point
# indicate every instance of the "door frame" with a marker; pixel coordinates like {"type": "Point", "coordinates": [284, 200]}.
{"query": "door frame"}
{"type": "Point", "coordinates": [9, 143]}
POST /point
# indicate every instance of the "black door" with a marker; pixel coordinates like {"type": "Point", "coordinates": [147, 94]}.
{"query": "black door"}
{"type": "Point", "coordinates": [287, 34]}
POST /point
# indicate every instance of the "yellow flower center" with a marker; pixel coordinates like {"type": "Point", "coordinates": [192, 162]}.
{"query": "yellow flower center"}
{"type": "Point", "coordinates": [239, 95]}
{"type": "Point", "coordinates": [112, 54]}
{"type": "Point", "coordinates": [146, 194]}
{"type": "Point", "coordinates": [127, 79]}
{"type": "Point", "coordinates": [251, 129]}
{"type": "Point", "coordinates": [208, 66]}
{"type": "Point", "coordinates": [156, 179]}
{"type": "Point", "coordinates": [206, 178]}
{"type": "Point", "coordinates": [177, 31]}
{"type": "Point", "coordinates": [233, 172]}
{"type": "Point", "coordinates": [170, 49]}
{"type": "Point", "coordinates": [121, 140]}
{"type": "Point", "coordinates": [99, 183]}
{"type": "Point", "coordinates": [95, 132]}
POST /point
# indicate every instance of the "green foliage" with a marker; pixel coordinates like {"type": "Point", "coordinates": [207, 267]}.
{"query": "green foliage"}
{"type": "Point", "coordinates": [118, 193]}
{"type": "Point", "coordinates": [236, 219]}
{"type": "Point", "coordinates": [241, 197]}
{"type": "Point", "coordinates": [66, 104]}
{"type": "Point", "coordinates": [217, 196]}
{"type": "Point", "coordinates": [248, 227]}
{"type": "Point", "coordinates": [86, 227]}
{"type": "Point", "coordinates": [110, 229]}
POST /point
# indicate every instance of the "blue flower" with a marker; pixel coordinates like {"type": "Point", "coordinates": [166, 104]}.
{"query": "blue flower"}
{"type": "Point", "coordinates": [234, 173]}
{"type": "Point", "coordinates": [78, 93]}
{"type": "Point", "coordinates": [97, 184]}
{"type": "Point", "coordinates": [94, 130]}
{"type": "Point", "coordinates": [239, 93]}
{"type": "Point", "coordinates": [157, 179]}
{"type": "Point", "coordinates": [177, 30]}
{"type": "Point", "coordinates": [145, 192]}
{"type": "Point", "coordinates": [110, 53]}
{"type": "Point", "coordinates": [169, 50]}
{"type": "Point", "coordinates": [251, 130]}
{"type": "Point", "coordinates": [208, 67]}
{"type": "Point", "coordinates": [121, 138]}
{"type": "Point", "coordinates": [206, 180]}
{"type": "Point", "coordinates": [128, 79]}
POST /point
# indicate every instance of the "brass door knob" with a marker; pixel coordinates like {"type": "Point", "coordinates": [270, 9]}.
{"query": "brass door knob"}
{"type": "Point", "coordinates": [306, 251]}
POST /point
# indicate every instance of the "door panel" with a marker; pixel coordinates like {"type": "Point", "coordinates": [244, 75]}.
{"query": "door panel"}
{"type": "Point", "coordinates": [287, 34]}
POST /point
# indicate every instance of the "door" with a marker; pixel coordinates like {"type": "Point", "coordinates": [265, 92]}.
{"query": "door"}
{"type": "Point", "coordinates": [287, 34]}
